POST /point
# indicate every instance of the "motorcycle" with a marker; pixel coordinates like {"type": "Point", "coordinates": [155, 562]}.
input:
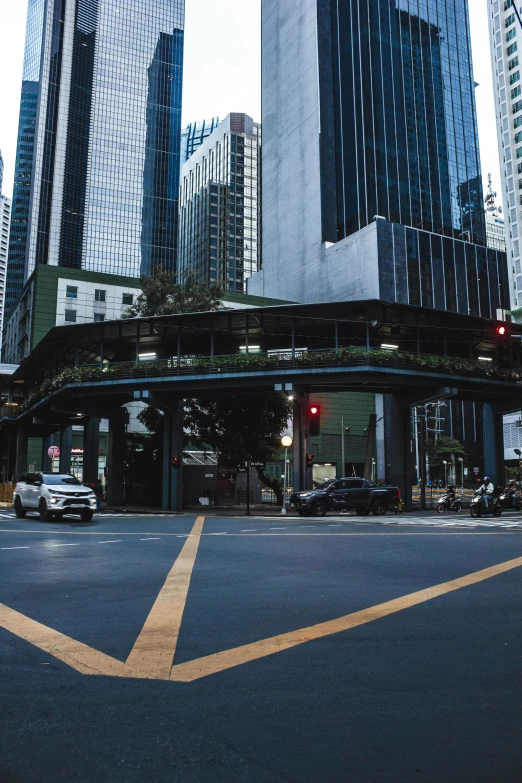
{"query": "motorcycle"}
{"type": "Point", "coordinates": [478, 507]}
{"type": "Point", "coordinates": [449, 502]}
{"type": "Point", "coordinates": [511, 500]}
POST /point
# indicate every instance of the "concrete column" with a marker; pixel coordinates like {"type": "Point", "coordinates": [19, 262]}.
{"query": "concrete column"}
{"type": "Point", "coordinates": [493, 444]}
{"type": "Point", "coordinates": [116, 458]}
{"type": "Point", "coordinates": [91, 449]}
{"type": "Point", "coordinates": [399, 459]}
{"type": "Point", "coordinates": [302, 474]}
{"type": "Point", "coordinates": [47, 463]}
{"type": "Point", "coordinates": [65, 450]}
{"type": "Point", "coordinates": [172, 498]}
{"type": "Point", "coordinates": [21, 457]}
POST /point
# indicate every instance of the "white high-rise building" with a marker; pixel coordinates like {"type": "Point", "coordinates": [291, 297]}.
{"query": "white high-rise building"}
{"type": "Point", "coordinates": [5, 221]}
{"type": "Point", "coordinates": [505, 27]}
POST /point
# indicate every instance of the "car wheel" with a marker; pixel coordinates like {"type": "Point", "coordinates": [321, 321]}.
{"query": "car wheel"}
{"type": "Point", "coordinates": [362, 512]}
{"type": "Point", "coordinates": [86, 516]}
{"type": "Point", "coordinates": [19, 509]}
{"type": "Point", "coordinates": [320, 508]}
{"type": "Point", "coordinates": [379, 508]}
{"type": "Point", "coordinates": [45, 514]}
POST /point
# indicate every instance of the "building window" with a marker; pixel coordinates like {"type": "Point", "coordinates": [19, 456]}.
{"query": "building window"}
{"type": "Point", "coordinates": [507, 4]}
{"type": "Point", "coordinates": [511, 34]}
{"type": "Point", "coordinates": [99, 295]}
{"type": "Point", "coordinates": [72, 292]}
{"type": "Point", "coordinates": [70, 316]}
{"type": "Point", "coordinates": [512, 49]}
{"type": "Point", "coordinates": [99, 316]}
{"type": "Point", "coordinates": [510, 20]}
{"type": "Point", "coordinates": [127, 299]}
{"type": "Point", "coordinates": [515, 77]}
{"type": "Point", "coordinates": [513, 63]}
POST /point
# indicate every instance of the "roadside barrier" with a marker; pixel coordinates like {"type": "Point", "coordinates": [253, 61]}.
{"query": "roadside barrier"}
{"type": "Point", "coordinates": [6, 494]}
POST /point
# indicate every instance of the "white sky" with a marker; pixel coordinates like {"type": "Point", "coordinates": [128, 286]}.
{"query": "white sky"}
{"type": "Point", "coordinates": [222, 70]}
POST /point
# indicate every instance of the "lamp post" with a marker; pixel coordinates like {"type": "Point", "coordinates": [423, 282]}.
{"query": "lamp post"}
{"type": "Point", "coordinates": [461, 460]}
{"type": "Point", "coordinates": [445, 463]}
{"type": "Point", "coordinates": [286, 441]}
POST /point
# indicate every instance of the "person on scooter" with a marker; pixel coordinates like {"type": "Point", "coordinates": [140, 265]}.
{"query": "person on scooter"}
{"type": "Point", "coordinates": [487, 490]}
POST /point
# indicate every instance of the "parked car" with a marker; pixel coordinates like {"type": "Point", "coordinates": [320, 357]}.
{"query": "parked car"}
{"type": "Point", "coordinates": [345, 494]}
{"type": "Point", "coordinates": [53, 495]}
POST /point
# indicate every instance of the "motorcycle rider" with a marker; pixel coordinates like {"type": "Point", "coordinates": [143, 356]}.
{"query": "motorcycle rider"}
{"type": "Point", "coordinates": [487, 490]}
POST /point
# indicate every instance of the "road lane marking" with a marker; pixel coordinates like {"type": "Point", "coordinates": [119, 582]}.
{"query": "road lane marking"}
{"type": "Point", "coordinates": [110, 542]}
{"type": "Point", "coordinates": [155, 647]}
{"type": "Point", "coordinates": [150, 539]}
{"type": "Point", "coordinates": [278, 528]}
{"type": "Point", "coordinates": [75, 654]}
{"type": "Point", "coordinates": [65, 545]}
{"type": "Point", "coordinates": [249, 531]}
{"type": "Point", "coordinates": [218, 662]}
{"type": "Point", "coordinates": [5, 548]}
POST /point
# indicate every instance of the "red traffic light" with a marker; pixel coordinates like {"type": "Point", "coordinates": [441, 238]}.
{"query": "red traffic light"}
{"type": "Point", "coordinates": [175, 462]}
{"type": "Point", "coordinates": [502, 331]}
{"type": "Point", "coordinates": [310, 459]}
{"type": "Point", "coordinates": [314, 410]}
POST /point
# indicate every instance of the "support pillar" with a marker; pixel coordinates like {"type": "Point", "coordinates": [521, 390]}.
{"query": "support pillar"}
{"type": "Point", "coordinates": [65, 450]}
{"type": "Point", "coordinates": [91, 449]}
{"type": "Point", "coordinates": [21, 458]}
{"type": "Point", "coordinates": [172, 496]}
{"type": "Point", "coordinates": [493, 444]}
{"type": "Point", "coordinates": [116, 458]}
{"type": "Point", "coordinates": [47, 463]}
{"type": "Point", "coordinates": [302, 474]}
{"type": "Point", "coordinates": [399, 460]}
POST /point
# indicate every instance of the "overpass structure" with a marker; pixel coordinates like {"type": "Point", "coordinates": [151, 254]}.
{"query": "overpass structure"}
{"type": "Point", "coordinates": [410, 355]}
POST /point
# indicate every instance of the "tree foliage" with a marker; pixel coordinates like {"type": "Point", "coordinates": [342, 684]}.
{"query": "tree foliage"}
{"type": "Point", "coordinates": [241, 428]}
{"type": "Point", "coordinates": [162, 295]}
{"type": "Point", "coordinates": [442, 448]}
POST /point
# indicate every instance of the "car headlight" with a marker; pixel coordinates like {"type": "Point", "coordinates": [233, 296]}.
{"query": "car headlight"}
{"type": "Point", "coordinates": [54, 499]}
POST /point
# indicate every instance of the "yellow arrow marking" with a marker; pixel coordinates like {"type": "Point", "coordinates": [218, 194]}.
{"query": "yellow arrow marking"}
{"type": "Point", "coordinates": [154, 648]}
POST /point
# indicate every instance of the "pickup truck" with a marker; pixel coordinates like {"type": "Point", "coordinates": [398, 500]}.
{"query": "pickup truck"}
{"type": "Point", "coordinates": [345, 494]}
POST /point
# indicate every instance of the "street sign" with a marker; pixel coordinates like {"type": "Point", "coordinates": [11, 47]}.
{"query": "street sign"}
{"type": "Point", "coordinates": [53, 452]}
{"type": "Point", "coordinates": [476, 471]}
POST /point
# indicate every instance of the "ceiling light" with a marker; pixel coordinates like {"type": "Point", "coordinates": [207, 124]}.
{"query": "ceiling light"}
{"type": "Point", "coordinates": [390, 347]}
{"type": "Point", "coordinates": [147, 355]}
{"type": "Point", "coordinates": [485, 359]}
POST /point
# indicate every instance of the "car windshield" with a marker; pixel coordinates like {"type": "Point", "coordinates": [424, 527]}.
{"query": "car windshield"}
{"type": "Point", "coordinates": [61, 478]}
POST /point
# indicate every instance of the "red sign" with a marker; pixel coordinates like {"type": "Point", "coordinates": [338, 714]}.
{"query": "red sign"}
{"type": "Point", "coordinates": [53, 452]}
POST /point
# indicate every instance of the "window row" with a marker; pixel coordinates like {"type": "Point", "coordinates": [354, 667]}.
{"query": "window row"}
{"type": "Point", "coordinates": [99, 295]}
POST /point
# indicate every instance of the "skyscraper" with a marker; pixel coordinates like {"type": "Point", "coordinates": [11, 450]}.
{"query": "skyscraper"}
{"type": "Point", "coordinates": [219, 217]}
{"type": "Point", "coordinates": [97, 168]}
{"type": "Point", "coordinates": [505, 28]}
{"type": "Point", "coordinates": [5, 219]}
{"type": "Point", "coordinates": [371, 173]}
{"type": "Point", "coordinates": [194, 135]}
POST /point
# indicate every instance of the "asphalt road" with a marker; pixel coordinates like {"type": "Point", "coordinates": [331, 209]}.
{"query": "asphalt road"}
{"type": "Point", "coordinates": [304, 650]}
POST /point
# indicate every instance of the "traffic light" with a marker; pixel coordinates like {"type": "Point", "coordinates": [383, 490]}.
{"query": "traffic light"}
{"type": "Point", "coordinates": [309, 460]}
{"type": "Point", "coordinates": [176, 462]}
{"type": "Point", "coordinates": [314, 419]}
{"type": "Point", "coordinates": [503, 344]}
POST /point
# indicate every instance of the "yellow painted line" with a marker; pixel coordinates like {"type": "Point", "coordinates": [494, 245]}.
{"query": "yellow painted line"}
{"type": "Point", "coordinates": [218, 662]}
{"type": "Point", "coordinates": [78, 656]}
{"type": "Point", "coordinates": [154, 648]}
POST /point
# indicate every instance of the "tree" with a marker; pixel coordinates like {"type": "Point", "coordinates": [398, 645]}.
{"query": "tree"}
{"type": "Point", "coordinates": [162, 295]}
{"type": "Point", "coordinates": [443, 448]}
{"type": "Point", "coordinates": [241, 428]}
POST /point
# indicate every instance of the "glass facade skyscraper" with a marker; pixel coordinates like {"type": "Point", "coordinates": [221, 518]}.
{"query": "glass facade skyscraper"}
{"type": "Point", "coordinates": [194, 135]}
{"type": "Point", "coordinates": [97, 171]}
{"type": "Point", "coordinates": [373, 180]}
{"type": "Point", "coordinates": [219, 217]}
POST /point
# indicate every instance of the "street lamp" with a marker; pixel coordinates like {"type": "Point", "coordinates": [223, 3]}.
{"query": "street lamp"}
{"type": "Point", "coordinates": [286, 442]}
{"type": "Point", "coordinates": [461, 460]}
{"type": "Point", "coordinates": [445, 463]}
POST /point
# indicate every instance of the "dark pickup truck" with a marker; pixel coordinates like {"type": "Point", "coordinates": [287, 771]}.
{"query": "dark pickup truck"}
{"type": "Point", "coordinates": [345, 494]}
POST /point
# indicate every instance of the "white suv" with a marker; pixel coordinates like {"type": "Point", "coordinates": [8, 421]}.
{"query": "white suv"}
{"type": "Point", "coordinates": [53, 495]}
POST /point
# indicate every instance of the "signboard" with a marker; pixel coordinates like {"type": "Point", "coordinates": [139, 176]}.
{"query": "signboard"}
{"type": "Point", "coordinates": [53, 452]}
{"type": "Point", "coordinates": [476, 471]}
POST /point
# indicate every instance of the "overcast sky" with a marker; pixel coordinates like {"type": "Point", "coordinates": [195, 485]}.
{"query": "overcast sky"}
{"type": "Point", "coordinates": [222, 69]}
